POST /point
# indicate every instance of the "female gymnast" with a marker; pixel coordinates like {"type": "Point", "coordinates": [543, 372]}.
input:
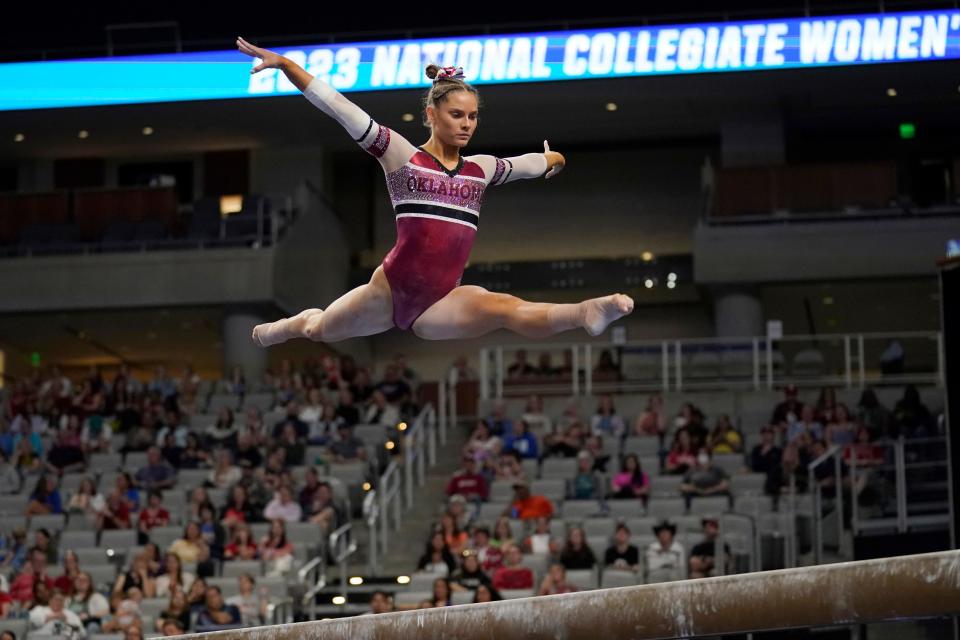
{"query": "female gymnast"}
{"type": "Point", "coordinates": [436, 195]}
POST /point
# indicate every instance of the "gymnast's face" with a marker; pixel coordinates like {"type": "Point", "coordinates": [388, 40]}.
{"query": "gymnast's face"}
{"type": "Point", "coordinates": [454, 120]}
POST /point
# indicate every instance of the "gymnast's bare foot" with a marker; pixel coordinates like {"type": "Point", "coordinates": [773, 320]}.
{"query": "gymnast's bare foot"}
{"type": "Point", "coordinates": [600, 312]}
{"type": "Point", "coordinates": [271, 333]}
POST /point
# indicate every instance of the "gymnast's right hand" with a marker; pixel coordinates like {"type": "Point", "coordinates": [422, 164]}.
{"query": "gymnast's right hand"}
{"type": "Point", "coordinates": [269, 59]}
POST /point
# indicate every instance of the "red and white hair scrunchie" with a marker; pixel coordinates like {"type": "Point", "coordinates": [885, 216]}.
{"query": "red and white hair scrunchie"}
{"type": "Point", "coordinates": [449, 73]}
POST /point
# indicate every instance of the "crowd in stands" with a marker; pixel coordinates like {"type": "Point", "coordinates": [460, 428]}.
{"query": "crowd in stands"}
{"type": "Point", "coordinates": [520, 549]}
{"type": "Point", "coordinates": [61, 446]}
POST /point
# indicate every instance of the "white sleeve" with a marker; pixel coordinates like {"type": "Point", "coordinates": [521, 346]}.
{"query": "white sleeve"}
{"type": "Point", "coordinates": [389, 147]}
{"type": "Point", "coordinates": [503, 170]}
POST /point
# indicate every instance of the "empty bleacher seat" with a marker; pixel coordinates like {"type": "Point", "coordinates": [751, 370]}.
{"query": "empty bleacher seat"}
{"type": "Point", "coordinates": [584, 579]}
{"type": "Point", "coordinates": [513, 594]}
{"type": "Point", "coordinates": [598, 526]}
{"type": "Point", "coordinates": [580, 509]}
{"type": "Point", "coordinates": [235, 568]}
{"type": "Point", "coordinates": [78, 539]}
{"type": "Point", "coordinates": [613, 578]}
{"type": "Point", "coordinates": [554, 489]}
{"type": "Point", "coordinates": [621, 509]}
{"type": "Point", "coordinates": [412, 598]}
{"type": "Point", "coordinates": [643, 446]}
{"type": "Point", "coordinates": [118, 539]}
{"type": "Point", "coordinates": [563, 468]}
{"type": "Point", "coordinates": [709, 505]}
{"type": "Point", "coordinates": [665, 486]}
{"type": "Point", "coordinates": [666, 507]}
{"type": "Point", "coordinates": [54, 522]}
{"type": "Point", "coordinates": [807, 363]}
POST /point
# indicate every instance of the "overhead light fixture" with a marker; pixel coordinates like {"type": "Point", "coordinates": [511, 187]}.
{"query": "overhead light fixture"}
{"type": "Point", "coordinates": [648, 283]}
{"type": "Point", "coordinates": [647, 256]}
{"type": "Point", "coordinates": [671, 276]}
{"type": "Point", "coordinates": [148, 131]}
{"type": "Point", "coordinates": [339, 600]}
{"type": "Point", "coordinates": [672, 284]}
{"type": "Point", "coordinates": [402, 426]}
{"type": "Point", "coordinates": [356, 581]}
{"type": "Point", "coordinates": [390, 445]}
{"type": "Point", "coordinates": [19, 137]}
{"type": "Point", "coordinates": [231, 204]}
{"type": "Point", "coordinates": [612, 106]}
{"type": "Point", "coordinates": [83, 134]}
{"type": "Point", "coordinates": [403, 579]}
{"type": "Point", "coordinates": [407, 117]}
{"type": "Point", "coordinates": [891, 92]}
{"type": "Point", "coordinates": [367, 486]}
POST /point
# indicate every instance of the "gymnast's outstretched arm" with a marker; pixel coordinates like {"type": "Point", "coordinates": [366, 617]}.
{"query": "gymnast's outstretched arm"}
{"type": "Point", "coordinates": [528, 165]}
{"type": "Point", "coordinates": [389, 147]}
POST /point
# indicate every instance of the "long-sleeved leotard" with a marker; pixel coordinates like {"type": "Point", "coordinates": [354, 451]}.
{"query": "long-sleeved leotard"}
{"type": "Point", "coordinates": [437, 209]}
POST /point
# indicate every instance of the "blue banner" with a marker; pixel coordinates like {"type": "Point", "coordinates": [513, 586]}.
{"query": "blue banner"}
{"type": "Point", "coordinates": [514, 58]}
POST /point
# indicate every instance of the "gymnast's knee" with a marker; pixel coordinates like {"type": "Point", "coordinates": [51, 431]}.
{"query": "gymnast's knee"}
{"type": "Point", "coordinates": [314, 330]}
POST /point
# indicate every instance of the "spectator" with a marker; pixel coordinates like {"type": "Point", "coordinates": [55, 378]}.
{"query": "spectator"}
{"type": "Point", "coordinates": [87, 501]}
{"type": "Point", "coordinates": [842, 431]}
{"type": "Point", "coordinates": [526, 506]}
{"type": "Point", "coordinates": [437, 557]}
{"type": "Point", "coordinates": [498, 422]}
{"type": "Point", "coordinates": [347, 447]}
{"type": "Point", "coordinates": [545, 368]}
{"type": "Point", "coordinates": [540, 542]}
{"type": "Point", "coordinates": [292, 445]}
{"type": "Point", "coordinates": [312, 410]}
{"type": "Point", "coordinates": [253, 427]}
{"type": "Point", "coordinates": [197, 596]}
{"type": "Point", "coordinates": [116, 512]}
{"type": "Point", "coordinates": [594, 444]}
{"type": "Point", "coordinates": [522, 441]}
{"type": "Point", "coordinates": [766, 458]}
{"type": "Point", "coordinates": [323, 509]}
{"type": "Point", "coordinates": [381, 412]}
{"type": "Point", "coordinates": [126, 616]}
{"type": "Point", "coordinates": [510, 468]}
{"type": "Point", "coordinates": [223, 432]}
{"type": "Point", "coordinates": [705, 479]}
{"type": "Point", "coordinates": [138, 576]}
{"type": "Point", "coordinates": [157, 474]}
{"type": "Point", "coordinates": [191, 547]}
{"type": "Point", "coordinates": [10, 482]}
{"type": "Point", "coordinates": [40, 596]}
{"type": "Point", "coordinates": [631, 482]}
{"type": "Point", "coordinates": [702, 555]}
{"type": "Point", "coordinates": [395, 388]}
{"type": "Point", "coordinates": [347, 412]}
{"type": "Point", "coordinates": [123, 483]}
{"type": "Point", "coordinates": [621, 554]}
{"type": "Point", "coordinates": [826, 404]}
{"type": "Point", "coordinates": [489, 556]}
{"type": "Point", "coordinates": [301, 428]}
{"type": "Point", "coordinates": [242, 545]}
{"type": "Point", "coordinates": [483, 445]}
{"type": "Point", "coordinates": [665, 556]}
{"type": "Point", "coordinates": [682, 456]}
{"type": "Point", "coordinates": [89, 605]}
{"type": "Point", "coordinates": [276, 550]}
{"type": "Point", "coordinates": [172, 424]}
{"type": "Point", "coordinates": [211, 531]}
{"type": "Point", "coordinates": [460, 371]}
{"type": "Point", "coordinates": [457, 507]}
{"type": "Point", "coordinates": [787, 411]}
{"type": "Point", "coordinates": [225, 474]}
{"type": "Point", "coordinates": [470, 575]}
{"type": "Point", "coordinates": [217, 613]}
{"type": "Point", "coordinates": [199, 498]}
{"type": "Point", "coordinates": [502, 533]}
{"type": "Point", "coordinates": [380, 602]}
{"type": "Point", "coordinates": [486, 593]}
{"type": "Point", "coordinates": [257, 492]}
{"type": "Point", "coordinates": [520, 368]}
{"type": "Point", "coordinates": [55, 619]}
{"type": "Point", "coordinates": [555, 581]}
{"type": "Point", "coordinates": [606, 368]}
{"type": "Point", "coordinates": [874, 415]}
{"type": "Point", "coordinates": [512, 575]}
{"type": "Point", "coordinates": [178, 610]}
{"type": "Point", "coordinates": [151, 517]}
{"type": "Point", "coordinates": [455, 538]}
{"type": "Point", "coordinates": [283, 507]}
{"type": "Point", "coordinates": [71, 567]}
{"type": "Point", "coordinates": [171, 627]}
{"type": "Point", "coordinates": [323, 429]}
{"type": "Point", "coordinates": [467, 482]}
{"type": "Point", "coordinates": [605, 421]}
{"type": "Point", "coordinates": [95, 435]}
{"type": "Point", "coordinates": [66, 455]}
{"type": "Point", "coordinates": [576, 553]}
{"type": "Point", "coordinates": [724, 439]}
{"type": "Point", "coordinates": [653, 421]}
{"type": "Point", "coordinates": [45, 498]}
{"type": "Point", "coordinates": [571, 414]}
{"type": "Point", "coordinates": [252, 606]}
{"type": "Point", "coordinates": [194, 456]}
{"type": "Point", "coordinates": [247, 452]}
{"type": "Point", "coordinates": [586, 484]}
{"type": "Point", "coordinates": [566, 444]}
{"type": "Point", "coordinates": [18, 553]}
{"type": "Point", "coordinates": [538, 421]}
{"type": "Point", "coordinates": [441, 593]}
{"type": "Point", "coordinates": [807, 423]}
{"type": "Point", "coordinates": [691, 420]}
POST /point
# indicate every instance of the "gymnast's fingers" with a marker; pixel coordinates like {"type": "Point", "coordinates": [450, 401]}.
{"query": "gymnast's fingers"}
{"type": "Point", "coordinates": [546, 146]}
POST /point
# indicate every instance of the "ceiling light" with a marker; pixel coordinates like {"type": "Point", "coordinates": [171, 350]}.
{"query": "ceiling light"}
{"type": "Point", "coordinates": [611, 106]}
{"type": "Point", "coordinates": [83, 133]}
{"type": "Point", "coordinates": [828, 300]}
{"type": "Point", "coordinates": [648, 283]}
{"type": "Point", "coordinates": [671, 276]}
{"type": "Point", "coordinates": [672, 284]}
{"type": "Point", "coordinates": [148, 131]}
{"type": "Point", "coordinates": [390, 445]}
{"type": "Point", "coordinates": [356, 581]}
{"type": "Point", "coordinates": [402, 426]}
{"type": "Point", "coordinates": [407, 117]}
{"type": "Point", "coordinates": [339, 600]}
{"type": "Point", "coordinates": [19, 137]}
{"type": "Point", "coordinates": [891, 92]}
{"type": "Point", "coordinates": [367, 486]}
{"type": "Point", "coordinates": [647, 256]}
{"type": "Point", "coordinates": [403, 579]}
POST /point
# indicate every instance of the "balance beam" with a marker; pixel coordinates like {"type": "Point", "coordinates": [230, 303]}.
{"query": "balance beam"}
{"type": "Point", "coordinates": [888, 589]}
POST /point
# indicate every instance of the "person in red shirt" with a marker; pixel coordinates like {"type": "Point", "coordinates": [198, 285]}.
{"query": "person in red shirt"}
{"type": "Point", "coordinates": [526, 506]}
{"type": "Point", "coordinates": [468, 483]}
{"type": "Point", "coordinates": [513, 575]}
{"type": "Point", "coordinates": [116, 515]}
{"type": "Point", "coordinates": [490, 557]}
{"type": "Point", "coordinates": [34, 571]}
{"type": "Point", "coordinates": [153, 516]}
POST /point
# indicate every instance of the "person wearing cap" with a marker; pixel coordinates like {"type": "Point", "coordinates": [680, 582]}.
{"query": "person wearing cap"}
{"type": "Point", "coordinates": [526, 506]}
{"type": "Point", "coordinates": [665, 556]}
{"type": "Point", "coordinates": [586, 484]}
{"type": "Point", "coordinates": [702, 554]}
{"type": "Point", "coordinates": [467, 482]}
{"type": "Point", "coordinates": [347, 447]}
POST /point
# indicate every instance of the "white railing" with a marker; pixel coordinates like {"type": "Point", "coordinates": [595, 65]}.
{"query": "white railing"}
{"type": "Point", "coordinates": [755, 362]}
{"type": "Point", "coordinates": [312, 576]}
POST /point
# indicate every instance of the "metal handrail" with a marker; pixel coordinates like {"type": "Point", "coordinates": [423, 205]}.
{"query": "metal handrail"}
{"type": "Point", "coordinates": [833, 453]}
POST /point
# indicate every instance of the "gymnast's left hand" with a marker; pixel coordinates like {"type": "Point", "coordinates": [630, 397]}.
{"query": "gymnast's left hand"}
{"type": "Point", "coordinates": [555, 161]}
{"type": "Point", "coordinates": [268, 59]}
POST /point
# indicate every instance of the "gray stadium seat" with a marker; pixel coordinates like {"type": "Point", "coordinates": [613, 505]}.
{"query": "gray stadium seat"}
{"type": "Point", "coordinates": [581, 509]}
{"type": "Point", "coordinates": [103, 575]}
{"type": "Point", "coordinates": [584, 579]}
{"type": "Point", "coordinates": [262, 401]}
{"type": "Point", "coordinates": [613, 578]}
{"type": "Point", "coordinates": [19, 626]}
{"type": "Point", "coordinates": [89, 555]}
{"type": "Point", "coordinates": [490, 512]}
{"type": "Point", "coordinates": [155, 606]}
{"type": "Point", "coordinates": [120, 539]}
{"type": "Point", "coordinates": [189, 478]}
{"type": "Point", "coordinates": [665, 486]}
{"type": "Point", "coordinates": [421, 582]}
{"type": "Point", "coordinates": [554, 489]}
{"type": "Point", "coordinates": [102, 462]}
{"type": "Point", "coordinates": [599, 526]}
{"type": "Point", "coordinates": [513, 594]}
{"type": "Point", "coordinates": [808, 362]}
{"type": "Point", "coordinates": [13, 505]}
{"type": "Point", "coordinates": [53, 522]}
{"type": "Point", "coordinates": [163, 537]}
{"type": "Point", "coordinates": [598, 544]}
{"type": "Point", "coordinates": [666, 507]}
{"type": "Point", "coordinates": [407, 598]}
{"type": "Point", "coordinates": [709, 505]}
{"type": "Point", "coordinates": [642, 446]}
{"type": "Point", "coordinates": [620, 509]}
{"type": "Point", "coordinates": [78, 539]}
{"type": "Point", "coordinates": [744, 484]}
{"type": "Point", "coordinates": [562, 468]}
{"type": "Point", "coordinates": [235, 568]}
{"type": "Point", "coordinates": [134, 461]}
{"type": "Point", "coordinates": [462, 597]}
{"type": "Point", "coordinates": [220, 400]}
{"type": "Point", "coordinates": [501, 491]}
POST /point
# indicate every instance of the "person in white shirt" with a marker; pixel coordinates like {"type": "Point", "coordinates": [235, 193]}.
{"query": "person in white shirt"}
{"type": "Point", "coordinates": [665, 557]}
{"type": "Point", "coordinates": [381, 412]}
{"type": "Point", "coordinates": [283, 507]}
{"type": "Point", "coordinates": [56, 620]}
